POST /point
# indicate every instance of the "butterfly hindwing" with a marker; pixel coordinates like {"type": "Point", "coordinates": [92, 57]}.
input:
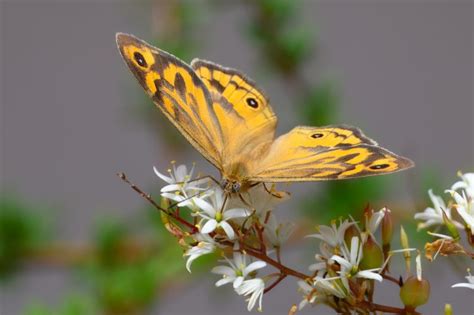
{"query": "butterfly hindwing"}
{"type": "Point", "coordinates": [178, 92]}
{"type": "Point", "coordinates": [332, 152]}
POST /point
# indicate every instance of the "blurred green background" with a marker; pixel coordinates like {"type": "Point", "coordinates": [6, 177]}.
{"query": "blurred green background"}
{"type": "Point", "coordinates": [75, 240]}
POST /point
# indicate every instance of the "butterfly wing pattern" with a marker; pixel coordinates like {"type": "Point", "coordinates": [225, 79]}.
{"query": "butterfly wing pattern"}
{"type": "Point", "coordinates": [178, 92]}
{"type": "Point", "coordinates": [324, 153]}
{"type": "Point", "coordinates": [231, 123]}
{"type": "Point", "coordinates": [244, 113]}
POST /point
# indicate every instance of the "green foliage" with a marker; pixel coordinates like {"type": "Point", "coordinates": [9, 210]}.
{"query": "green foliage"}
{"type": "Point", "coordinates": [283, 48]}
{"type": "Point", "coordinates": [72, 305]}
{"type": "Point", "coordinates": [128, 272]}
{"type": "Point", "coordinates": [338, 198]}
{"type": "Point", "coordinates": [19, 233]}
{"type": "Point", "coordinates": [321, 105]}
{"type": "Point", "coordinates": [127, 287]}
{"type": "Point", "coordinates": [109, 237]}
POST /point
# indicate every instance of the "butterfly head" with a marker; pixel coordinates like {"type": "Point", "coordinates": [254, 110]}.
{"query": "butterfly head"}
{"type": "Point", "coordinates": [231, 186]}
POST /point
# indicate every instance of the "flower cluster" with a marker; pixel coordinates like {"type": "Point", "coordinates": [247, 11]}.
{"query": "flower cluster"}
{"type": "Point", "coordinates": [227, 225]}
{"type": "Point", "coordinates": [350, 259]}
{"type": "Point", "coordinates": [453, 217]}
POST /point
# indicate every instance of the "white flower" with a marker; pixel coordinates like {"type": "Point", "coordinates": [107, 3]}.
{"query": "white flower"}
{"type": "Point", "coordinates": [375, 219]}
{"type": "Point", "coordinates": [465, 207]}
{"type": "Point", "coordinates": [214, 213]}
{"type": "Point", "coordinates": [255, 288]}
{"type": "Point", "coordinates": [469, 284]}
{"type": "Point", "coordinates": [332, 235]}
{"type": "Point", "coordinates": [205, 246]}
{"type": "Point", "coordinates": [237, 270]}
{"type": "Point", "coordinates": [277, 233]}
{"type": "Point", "coordinates": [330, 286]}
{"type": "Point", "coordinates": [309, 294]}
{"type": "Point", "coordinates": [321, 265]}
{"type": "Point", "coordinates": [434, 216]}
{"type": "Point", "coordinates": [350, 263]}
{"type": "Point", "coordinates": [467, 183]}
{"type": "Point", "coordinates": [180, 187]}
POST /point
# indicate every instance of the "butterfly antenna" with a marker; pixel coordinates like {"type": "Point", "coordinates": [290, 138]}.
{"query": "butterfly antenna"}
{"type": "Point", "coordinates": [201, 178]}
{"type": "Point", "coordinates": [189, 198]}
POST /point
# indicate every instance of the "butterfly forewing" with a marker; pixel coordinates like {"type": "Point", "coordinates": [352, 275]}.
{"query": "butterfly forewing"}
{"type": "Point", "coordinates": [178, 92]}
{"type": "Point", "coordinates": [244, 112]}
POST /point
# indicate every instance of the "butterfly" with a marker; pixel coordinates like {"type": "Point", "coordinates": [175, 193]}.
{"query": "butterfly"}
{"type": "Point", "coordinates": [229, 120]}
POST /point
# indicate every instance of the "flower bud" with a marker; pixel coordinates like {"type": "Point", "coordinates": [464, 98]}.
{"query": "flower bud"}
{"type": "Point", "coordinates": [387, 229]}
{"type": "Point", "coordinates": [372, 255]}
{"type": "Point", "coordinates": [451, 227]}
{"type": "Point", "coordinates": [350, 232]}
{"type": "Point", "coordinates": [448, 309]}
{"type": "Point", "coordinates": [405, 245]}
{"type": "Point", "coordinates": [415, 292]}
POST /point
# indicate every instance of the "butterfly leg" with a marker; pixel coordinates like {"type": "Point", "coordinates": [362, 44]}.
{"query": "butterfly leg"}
{"type": "Point", "coordinates": [270, 192]}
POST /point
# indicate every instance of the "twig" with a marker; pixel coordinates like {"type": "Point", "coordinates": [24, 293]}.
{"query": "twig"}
{"type": "Point", "coordinates": [147, 197]}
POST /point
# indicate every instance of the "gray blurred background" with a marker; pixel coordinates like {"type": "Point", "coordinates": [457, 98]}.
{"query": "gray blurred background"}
{"type": "Point", "coordinates": [70, 120]}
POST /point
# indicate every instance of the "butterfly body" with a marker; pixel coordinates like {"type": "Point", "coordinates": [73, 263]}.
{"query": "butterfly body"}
{"type": "Point", "coordinates": [231, 123]}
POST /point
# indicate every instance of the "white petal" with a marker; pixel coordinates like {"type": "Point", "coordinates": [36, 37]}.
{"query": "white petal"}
{"type": "Point", "coordinates": [341, 261]}
{"type": "Point", "coordinates": [317, 266]}
{"type": "Point", "coordinates": [302, 304]}
{"type": "Point", "coordinates": [209, 227]}
{"type": "Point", "coordinates": [174, 197]}
{"type": "Point", "coordinates": [327, 233]}
{"type": "Point", "coordinates": [437, 201]}
{"type": "Point", "coordinates": [254, 266]}
{"type": "Point", "coordinates": [354, 250]}
{"type": "Point", "coordinates": [375, 220]}
{"type": "Point", "coordinates": [181, 172]}
{"type": "Point", "coordinates": [235, 213]}
{"type": "Point", "coordinates": [190, 261]}
{"type": "Point", "coordinates": [369, 275]}
{"type": "Point", "coordinates": [463, 285]}
{"type": "Point", "coordinates": [170, 187]}
{"type": "Point", "coordinates": [227, 229]}
{"type": "Point", "coordinates": [468, 218]}
{"type": "Point", "coordinates": [238, 281]}
{"type": "Point", "coordinates": [167, 179]}
{"type": "Point", "coordinates": [205, 206]}
{"type": "Point", "coordinates": [305, 286]}
{"type": "Point", "coordinates": [240, 260]}
{"type": "Point", "coordinates": [223, 281]}
{"type": "Point", "coordinates": [224, 270]}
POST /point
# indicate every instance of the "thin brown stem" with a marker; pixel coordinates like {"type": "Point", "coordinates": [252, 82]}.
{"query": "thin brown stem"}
{"type": "Point", "coordinates": [274, 284]}
{"type": "Point", "coordinates": [392, 279]}
{"type": "Point", "coordinates": [386, 309]}
{"type": "Point", "coordinates": [148, 198]}
{"type": "Point", "coordinates": [283, 269]}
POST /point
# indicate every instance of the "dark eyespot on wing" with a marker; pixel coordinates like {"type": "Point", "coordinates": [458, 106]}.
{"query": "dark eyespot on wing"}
{"type": "Point", "coordinates": [379, 166]}
{"type": "Point", "coordinates": [140, 59]}
{"type": "Point", "coordinates": [252, 102]}
{"type": "Point", "coordinates": [317, 135]}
